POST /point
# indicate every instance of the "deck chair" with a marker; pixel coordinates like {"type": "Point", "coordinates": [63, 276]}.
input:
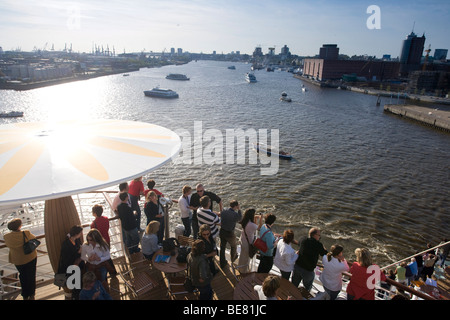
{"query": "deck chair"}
{"type": "Point", "coordinates": [139, 283]}
{"type": "Point", "coordinates": [239, 270]}
{"type": "Point", "coordinates": [138, 259]}
{"type": "Point", "coordinates": [176, 288]}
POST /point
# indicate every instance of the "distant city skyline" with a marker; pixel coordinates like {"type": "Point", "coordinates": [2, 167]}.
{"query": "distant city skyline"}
{"type": "Point", "coordinates": [223, 26]}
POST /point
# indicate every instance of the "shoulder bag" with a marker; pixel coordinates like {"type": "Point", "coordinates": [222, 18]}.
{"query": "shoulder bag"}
{"type": "Point", "coordinates": [30, 245]}
{"type": "Point", "coordinates": [252, 250]}
{"type": "Point", "coordinates": [261, 244]}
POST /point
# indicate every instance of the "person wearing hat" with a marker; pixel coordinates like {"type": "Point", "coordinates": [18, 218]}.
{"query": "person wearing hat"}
{"type": "Point", "coordinates": [25, 263]}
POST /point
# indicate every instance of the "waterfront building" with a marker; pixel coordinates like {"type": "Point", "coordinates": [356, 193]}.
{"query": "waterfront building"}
{"type": "Point", "coordinates": [411, 54]}
{"type": "Point", "coordinates": [329, 67]}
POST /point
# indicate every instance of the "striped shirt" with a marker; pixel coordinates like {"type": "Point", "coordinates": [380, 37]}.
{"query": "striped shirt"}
{"type": "Point", "coordinates": [206, 216]}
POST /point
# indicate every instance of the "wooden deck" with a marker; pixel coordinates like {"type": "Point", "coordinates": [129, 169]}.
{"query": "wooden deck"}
{"type": "Point", "coordinates": [223, 285]}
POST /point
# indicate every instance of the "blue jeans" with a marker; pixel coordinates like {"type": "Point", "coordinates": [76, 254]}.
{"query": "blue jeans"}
{"type": "Point", "coordinates": [131, 239]}
{"type": "Point", "coordinates": [305, 275]}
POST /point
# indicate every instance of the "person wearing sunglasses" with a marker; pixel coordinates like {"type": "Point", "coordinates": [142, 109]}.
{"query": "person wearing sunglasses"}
{"type": "Point", "coordinates": [195, 204]}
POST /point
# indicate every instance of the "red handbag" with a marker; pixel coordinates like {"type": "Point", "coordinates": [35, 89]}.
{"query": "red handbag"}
{"type": "Point", "coordinates": [260, 244]}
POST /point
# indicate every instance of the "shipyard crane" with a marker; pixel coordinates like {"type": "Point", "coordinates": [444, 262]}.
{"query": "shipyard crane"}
{"type": "Point", "coordinates": [426, 57]}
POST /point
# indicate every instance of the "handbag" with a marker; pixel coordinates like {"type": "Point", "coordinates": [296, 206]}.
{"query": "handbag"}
{"type": "Point", "coordinates": [252, 250]}
{"type": "Point", "coordinates": [60, 280]}
{"type": "Point", "coordinates": [260, 244]}
{"type": "Point", "coordinates": [30, 245]}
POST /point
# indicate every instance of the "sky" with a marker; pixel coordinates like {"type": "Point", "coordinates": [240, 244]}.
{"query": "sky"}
{"type": "Point", "coordinates": [223, 25]}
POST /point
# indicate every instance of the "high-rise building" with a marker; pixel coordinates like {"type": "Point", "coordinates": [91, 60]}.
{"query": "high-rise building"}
{"type": "Point", "coordinates": [439, 54]}
{"type": "Point", "coordinates": [411, 54]}
{"type": "Point", "coordinates": [329, 52]}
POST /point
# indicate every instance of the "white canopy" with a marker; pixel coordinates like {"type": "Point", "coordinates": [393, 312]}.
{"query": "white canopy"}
{"type": "Point", "coordinates": [41, 161]}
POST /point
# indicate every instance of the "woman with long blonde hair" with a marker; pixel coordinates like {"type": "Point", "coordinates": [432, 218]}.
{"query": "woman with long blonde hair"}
{"type": "Point", "coordinates": [361, 286]}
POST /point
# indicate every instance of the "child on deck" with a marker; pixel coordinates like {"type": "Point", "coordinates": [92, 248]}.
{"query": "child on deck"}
{"type": "Point", "coordinates": [93, 289]}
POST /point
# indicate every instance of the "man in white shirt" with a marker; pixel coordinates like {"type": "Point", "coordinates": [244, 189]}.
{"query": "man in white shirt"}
{"type": "Point", "coordinates": [123, 187]}
{"type": "Point", "coordinates": [185, 210]}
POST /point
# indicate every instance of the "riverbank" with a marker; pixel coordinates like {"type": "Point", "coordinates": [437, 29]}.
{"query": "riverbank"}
{"type": "Point", "coordinates": [382, 93]}
{"type": "Point", "coordinates": [438, 119]}
{"type": "Point", "coordinates": [22, 86]}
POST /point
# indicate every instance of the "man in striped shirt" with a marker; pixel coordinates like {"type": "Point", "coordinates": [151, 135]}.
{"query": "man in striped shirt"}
{"type": "Point", "coordinates": [206, 216]}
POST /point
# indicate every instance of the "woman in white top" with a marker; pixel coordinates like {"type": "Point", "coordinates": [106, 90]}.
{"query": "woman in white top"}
{"type": "Point", "coordinates": [334, 264]}
{"type": "Point", "coordinates": [95, 251]}
{"type": "Point", "coordinates": [249, 228]}
{"type": "Point", "coordinates": [285, 256]}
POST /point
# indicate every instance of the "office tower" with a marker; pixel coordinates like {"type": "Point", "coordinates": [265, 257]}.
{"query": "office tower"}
{"type": "Point", "coordinates": [411, 54]}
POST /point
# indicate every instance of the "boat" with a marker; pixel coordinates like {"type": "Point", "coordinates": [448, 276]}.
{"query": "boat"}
{"type": "Point", "coordinates": [268, 150]}
{"type": "Point", "coordinates": [161, 93]}
{"type": "Point", "coordinates": [284, 97]}
{"type": "Point", "coordinates": [126, 74]}
{"type": "Point", "coordinates": [177, 76]}
{"type": "Point", "coordinates": [232, 67]}
{"type": "Point", "coordinates": [303, 88]}
{"type": "Point", "coordinates": [250, 77]}
{"type": "Point", "coordinates": [270, 69]}
{"type": "Point", "coordinates": [11, 114]}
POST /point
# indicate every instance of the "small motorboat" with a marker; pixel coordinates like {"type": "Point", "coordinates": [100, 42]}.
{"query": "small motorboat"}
{"type": "Point", "coordinates": [303, 88]}
{"type": "Point", "coordinates": [232, 67]}
{"type": "Point", "coordinates": [284, 97]}
{"type": "Point", "coordinates": [11, 114]}
{"type": "Point", "coordinates": [261, 147]}
{"type": "Point", "coordinates": [250, 77]}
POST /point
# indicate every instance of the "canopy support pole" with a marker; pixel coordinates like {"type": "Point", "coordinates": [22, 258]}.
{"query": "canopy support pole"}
{"type": "Point", "coordinates": [59, 216]}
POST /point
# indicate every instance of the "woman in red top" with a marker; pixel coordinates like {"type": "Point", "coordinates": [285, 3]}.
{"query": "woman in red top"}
{"type": "Point", "coordinates": [101, 223]}
{"type": "Point", "coordinates": [364, 277]}
{"type": "Point", "coordinates": [135, 191]}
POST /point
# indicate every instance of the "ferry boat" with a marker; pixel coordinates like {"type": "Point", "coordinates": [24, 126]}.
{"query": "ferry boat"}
{"type": "Point", "coordinates": [161, 93]}
{"type": "Point", "coordinates": [250, 77]}
{"type": "Point", "coordinates": [11, 114]}
{"type": "Point", "coordinates": [177, 76]}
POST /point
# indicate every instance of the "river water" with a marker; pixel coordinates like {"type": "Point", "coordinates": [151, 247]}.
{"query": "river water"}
{"type": "Point", "coordinates": [364, 177]}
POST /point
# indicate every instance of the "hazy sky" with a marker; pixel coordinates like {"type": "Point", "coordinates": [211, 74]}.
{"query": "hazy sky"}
{"type": "Point", "coordinates": [222, 25]}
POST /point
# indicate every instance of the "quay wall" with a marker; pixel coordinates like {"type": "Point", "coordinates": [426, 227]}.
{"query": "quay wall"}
{"type": "Point", "coordinates": [40, 84]}
{"type": "Point", "coordinates": [383, 93]}
{"type": "Point", "coordinates": [438, 119]}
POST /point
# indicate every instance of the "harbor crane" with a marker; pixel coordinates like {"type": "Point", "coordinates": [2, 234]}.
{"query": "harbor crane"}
{"type": "Point", "coordinates": [426, 57]}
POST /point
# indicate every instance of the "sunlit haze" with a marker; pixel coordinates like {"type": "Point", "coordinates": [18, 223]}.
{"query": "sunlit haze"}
{"type": "Point", "coordinates": [222, 26]}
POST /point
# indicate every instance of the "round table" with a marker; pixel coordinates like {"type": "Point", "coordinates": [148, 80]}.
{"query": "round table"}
{"type": "Point", "coordinates": [244, 289]}
{"type": "Point", "coordinates": [171, 267]}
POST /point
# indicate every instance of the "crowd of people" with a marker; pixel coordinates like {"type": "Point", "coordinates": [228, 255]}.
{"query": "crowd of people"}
{"type": "Point", "coordinates": [206, 225]}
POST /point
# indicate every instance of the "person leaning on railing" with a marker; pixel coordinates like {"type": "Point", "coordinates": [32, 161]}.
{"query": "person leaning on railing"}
{"type": "Point", "coordinates": [25, 263]}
